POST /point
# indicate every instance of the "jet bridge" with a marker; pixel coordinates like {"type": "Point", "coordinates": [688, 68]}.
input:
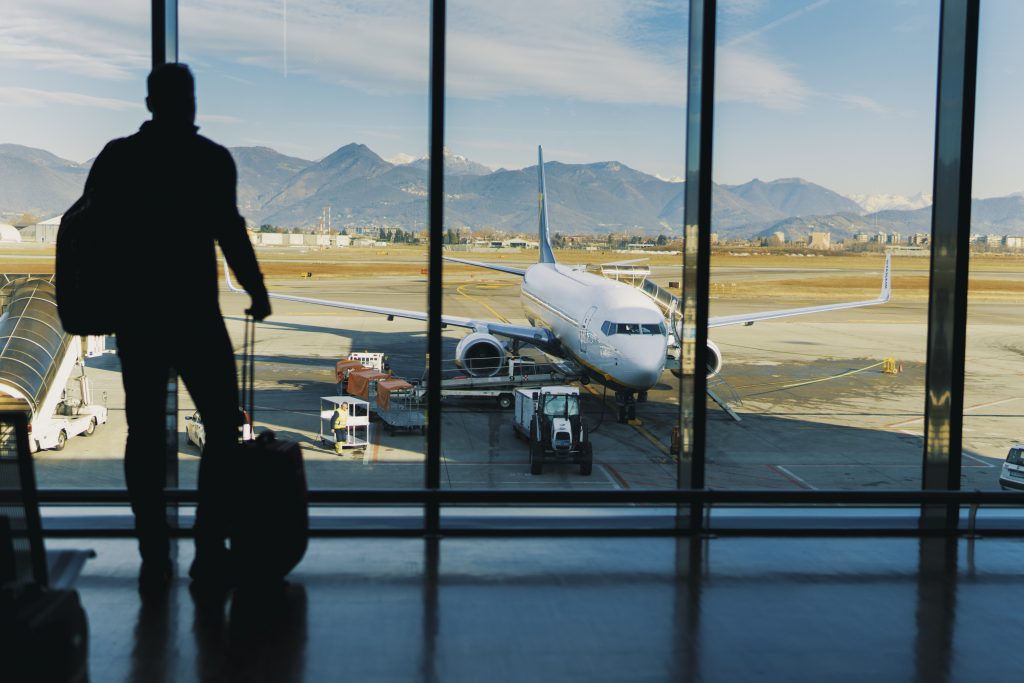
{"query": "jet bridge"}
{"type": "Point", "coordinates": [37, 358]}
{"type": "Point", "coordinates": [34, 348]}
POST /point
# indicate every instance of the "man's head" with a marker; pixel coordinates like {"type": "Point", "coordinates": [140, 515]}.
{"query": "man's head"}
{"type": "Point", "coordinates": [172, 94]}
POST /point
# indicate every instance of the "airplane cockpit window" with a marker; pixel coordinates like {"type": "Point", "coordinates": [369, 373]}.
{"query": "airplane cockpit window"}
{"type": "Point", "coordinates": [609, 328]}
{"type": "Point", "coordinates": [562, 406]}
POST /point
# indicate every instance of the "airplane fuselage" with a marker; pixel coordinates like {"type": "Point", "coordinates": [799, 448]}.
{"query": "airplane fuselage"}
{"type": "Point", "coordinates": [610, 329]}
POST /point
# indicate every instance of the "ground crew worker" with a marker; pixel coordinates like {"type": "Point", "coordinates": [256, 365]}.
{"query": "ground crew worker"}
{"type": "Point", "coordinates": [339, 423]}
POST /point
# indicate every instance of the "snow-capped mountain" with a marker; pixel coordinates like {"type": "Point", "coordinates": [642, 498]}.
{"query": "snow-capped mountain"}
{"type": "Point", "coordinates": [887, 202]}
{"type": "Point", "coordinates": [455, 164]}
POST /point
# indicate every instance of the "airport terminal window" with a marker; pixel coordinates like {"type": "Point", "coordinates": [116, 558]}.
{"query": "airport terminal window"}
{"type": "Point", "coordinates": [323, 111]}
{"type": "Point", "coordinates": [995, 316]}
{"type": "Point", "coordinates": [821, 171]}
{"type": "Point", "coordinates": [784, 112]}
{"type": "Point", "coordinates": [569, 80]}
{"type": "Point", "coordinates": [94, 76]}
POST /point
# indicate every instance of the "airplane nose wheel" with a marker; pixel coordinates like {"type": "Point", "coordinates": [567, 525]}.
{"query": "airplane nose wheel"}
{"type": "Point", "coordinates": [626, 402]}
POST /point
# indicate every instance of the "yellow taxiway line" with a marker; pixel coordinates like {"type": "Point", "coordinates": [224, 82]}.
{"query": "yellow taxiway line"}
{"type": "Point", "coordinates": [461, 289]}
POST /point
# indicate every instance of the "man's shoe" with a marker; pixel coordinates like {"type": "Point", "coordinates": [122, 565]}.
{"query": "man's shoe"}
{"type": "Point", "coordinates": [155, 575]}
{"type": "Point", "coordinates": [212, 569]}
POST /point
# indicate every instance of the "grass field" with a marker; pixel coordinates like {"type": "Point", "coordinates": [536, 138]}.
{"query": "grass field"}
{"type": "Point", "coordinates": [993, 276]}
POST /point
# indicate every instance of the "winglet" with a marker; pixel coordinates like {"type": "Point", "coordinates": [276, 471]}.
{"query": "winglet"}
{"type": "Point", "coordinates": [546, 254]}
{"type": "Point", "coordinates": [886, 283]}
{"type": "Point", "coordinates": [230, 282]}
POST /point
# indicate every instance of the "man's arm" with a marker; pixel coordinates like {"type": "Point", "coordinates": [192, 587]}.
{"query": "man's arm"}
{"type": "Point", "coordinates": [237, 248]}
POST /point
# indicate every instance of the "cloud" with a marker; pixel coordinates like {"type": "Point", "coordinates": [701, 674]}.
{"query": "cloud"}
{"type": "Point", "coordinates": [741, 7]}
{"type": "Point", "coordinates": [33, 97]}
{"type": "Point", "coordinates": [785, 19]}
{"type": "Point", "coordinates": [104, 40]}
{"type": "Point", "coordinates": [755, 79]}
{"type": "Point", "coordinates": [863, 102]}
{"type": "Point", "coordinates": [591, 50]}
{"type": "Point", "coordinates": [601, 51]}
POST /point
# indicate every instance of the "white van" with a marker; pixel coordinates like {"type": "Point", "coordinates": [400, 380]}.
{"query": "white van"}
{"type": "Point", "coordinates": [1012, 476]}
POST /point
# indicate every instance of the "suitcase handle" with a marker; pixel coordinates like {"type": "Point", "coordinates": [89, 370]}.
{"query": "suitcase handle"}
{"type": "Point", "coordinates": [247, 391]}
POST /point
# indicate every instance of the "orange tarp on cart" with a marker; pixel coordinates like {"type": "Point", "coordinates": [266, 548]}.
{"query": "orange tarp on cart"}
{"type": "Point", "coordinates": [384, 389]}
{"type": "Point", "coordinates": [359, 382]}
{"type": "Point", "coordinates": [345, 365]}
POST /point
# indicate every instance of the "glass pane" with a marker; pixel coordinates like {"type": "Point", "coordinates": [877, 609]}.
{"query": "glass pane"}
{"type": "Point", "coordinates": [61, 101]}
{"type": "Point", "coordinates": [603, 93]}
{"type": "Point", "coordinates": [992, 403]}
{"type": "Point", "coordinates": [328, 136]}
{"type": "Point", "coordinates": [824, 136]}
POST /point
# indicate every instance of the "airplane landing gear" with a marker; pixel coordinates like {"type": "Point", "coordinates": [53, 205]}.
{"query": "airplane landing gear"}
{"type": "Point", "coordinates": [626, 401]}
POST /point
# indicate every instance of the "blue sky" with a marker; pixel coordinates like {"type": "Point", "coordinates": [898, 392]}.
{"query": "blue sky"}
{"type": "Point", "coordinates": [840, 92]}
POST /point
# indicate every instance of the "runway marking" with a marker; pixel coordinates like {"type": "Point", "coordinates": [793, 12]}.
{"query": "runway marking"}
{"type": "Point", "coordinates": [870, 320]}
{"type": "Point", "coordinates": [370, 454]}
{"type": "Point", "coordinates": [607, 475]}
{"type": "Point", "coordinates": [799, 481]}
{"type": "Point", "coordinates": [461, 289]}
{"type": "Point", "coordinates": [810, 381]}
{"type": "Point", "coordinates": [894, 425]}
{"type": "Point", "coordinates": [639, 428]}
{"type": "Point", "coordinates": [652, 438]}
{"type": "Point", "coordinates": [976, 459]}
{"type": "Point", "coordinates": [618, 477]}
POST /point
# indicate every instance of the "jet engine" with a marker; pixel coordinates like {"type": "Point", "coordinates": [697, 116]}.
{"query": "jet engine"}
{"type": "Point", "coordinates": [480, 355]}
{"type": "Point", "coordinates": [714, 361]}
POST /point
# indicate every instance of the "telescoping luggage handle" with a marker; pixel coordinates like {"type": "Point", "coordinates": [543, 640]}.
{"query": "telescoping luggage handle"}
{"type": "Point", "coordinates": [248, 393]}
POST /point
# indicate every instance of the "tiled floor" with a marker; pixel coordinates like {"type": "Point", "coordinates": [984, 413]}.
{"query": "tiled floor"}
{"type": "Point", "coordinates": [579, 609]}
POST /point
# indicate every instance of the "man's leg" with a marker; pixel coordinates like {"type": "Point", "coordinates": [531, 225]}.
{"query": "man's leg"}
{"type": "Point", "coordinates": [144, 370]}
{"type": "Point", "coordinates": [208, 370]}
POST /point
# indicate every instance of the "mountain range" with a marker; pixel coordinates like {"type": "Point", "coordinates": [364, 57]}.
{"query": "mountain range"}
{"type": "Point", "coordinates": [363, 189]}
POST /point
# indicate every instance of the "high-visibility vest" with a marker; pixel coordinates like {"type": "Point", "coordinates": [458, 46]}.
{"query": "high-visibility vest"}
{"type": "Point", "coordinates": [340, 420]}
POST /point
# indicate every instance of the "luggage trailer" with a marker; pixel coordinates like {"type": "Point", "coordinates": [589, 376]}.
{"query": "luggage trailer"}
{"type": "Point", "coordinates": [520, 373]}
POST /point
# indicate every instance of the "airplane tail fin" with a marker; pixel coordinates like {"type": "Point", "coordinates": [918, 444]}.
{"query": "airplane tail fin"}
{"type": "Point", "coordinates": [886, 283]}
{"type": "Point", "coordinates": [546, 254]}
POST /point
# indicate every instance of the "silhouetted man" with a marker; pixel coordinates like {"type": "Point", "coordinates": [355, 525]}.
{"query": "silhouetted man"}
{"type": "Point", "coordinates": [169, 194]}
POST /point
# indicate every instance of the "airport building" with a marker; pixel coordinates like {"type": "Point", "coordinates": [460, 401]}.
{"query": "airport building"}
{"type": "Point", "coordinates": [836, 496]}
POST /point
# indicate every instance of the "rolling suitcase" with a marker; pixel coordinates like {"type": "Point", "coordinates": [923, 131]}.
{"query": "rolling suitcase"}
{"type": "Point", "coordinates": [44, 634]}
{"type": "Point", "coordinates": [270, 512]}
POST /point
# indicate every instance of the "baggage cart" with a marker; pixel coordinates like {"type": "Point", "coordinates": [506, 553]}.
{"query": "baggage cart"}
{"type": "Point", "coordinates": [358, 425]}
{"type": "Point", "coordinates": [399, 407]}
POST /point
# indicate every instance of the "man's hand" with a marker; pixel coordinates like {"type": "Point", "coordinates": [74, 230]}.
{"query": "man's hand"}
{"type": "Point", "coordinates": [260, 307]}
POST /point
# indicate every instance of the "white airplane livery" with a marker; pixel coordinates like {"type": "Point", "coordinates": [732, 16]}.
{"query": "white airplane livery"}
{"type": "Point", "coordinates": [613, 331]}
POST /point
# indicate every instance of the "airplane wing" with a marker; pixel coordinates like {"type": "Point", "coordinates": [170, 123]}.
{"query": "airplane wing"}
{"type": "Point", "coordinates": [490, 266]}
{"type": "Point", "coordinates": [537, 336]}
{"type": "Point", "coordinates": [751, 318]}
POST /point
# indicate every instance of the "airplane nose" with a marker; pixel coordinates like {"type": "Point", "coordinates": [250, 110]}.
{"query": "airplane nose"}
{"type": "Point", "coordinates": [649, 376]}
{"type": "Point", "coordinates": [648, 366]}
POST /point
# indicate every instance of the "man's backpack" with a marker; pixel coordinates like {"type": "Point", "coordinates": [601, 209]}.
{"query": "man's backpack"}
{"type": "Point", "coordinates": [86, 272]}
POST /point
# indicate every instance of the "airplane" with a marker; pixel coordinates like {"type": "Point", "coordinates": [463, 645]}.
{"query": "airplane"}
{"type": "Point", "coordinates": [615, 333]}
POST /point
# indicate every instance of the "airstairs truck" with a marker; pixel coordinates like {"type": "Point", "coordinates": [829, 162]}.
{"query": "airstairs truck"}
{"type": "Point", "coordinates": [37, 362]}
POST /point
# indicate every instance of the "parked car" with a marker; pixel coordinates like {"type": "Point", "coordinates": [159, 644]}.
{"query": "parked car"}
{"type": "Point", "coordinates": [1012, 476]}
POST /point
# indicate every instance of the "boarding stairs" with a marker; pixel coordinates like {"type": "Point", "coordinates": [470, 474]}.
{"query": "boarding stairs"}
{"type": "Point", "coordinates": [725, 395]}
